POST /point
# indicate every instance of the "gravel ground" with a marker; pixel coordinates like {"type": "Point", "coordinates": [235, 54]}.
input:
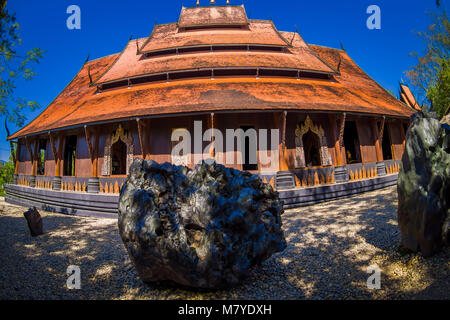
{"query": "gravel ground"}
{"type": "Point", "coordinates": [329, 248]}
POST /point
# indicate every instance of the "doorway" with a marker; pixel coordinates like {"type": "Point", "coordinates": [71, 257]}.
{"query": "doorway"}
{"type": "Point", "coordinates": [248, 150]}
{"type": "Point", "coordinates": [118, 158]}
{"type": "Point", "coordinates": [70, 152]}
{"type": "Point", "coordinates": [351, 143]}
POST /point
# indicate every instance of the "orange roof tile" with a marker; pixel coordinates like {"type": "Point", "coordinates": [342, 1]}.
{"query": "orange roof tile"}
{"type": "Point", "coordinates": [218, 15]}
{"type": "Point", "coordinates": [168, 36]}
{"type": "Point", "coordinates": [130, 64]}
{"type": "Point", "coordinates": [350, 89]}
{"type": "Point", "coordinates": [353, 91]}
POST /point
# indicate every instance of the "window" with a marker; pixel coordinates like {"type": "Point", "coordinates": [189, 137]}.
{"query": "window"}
{"type": "Point", "coordinates": [248, 150]}
{"type": "Point", "coordinates": [118, 158]}
{"type": "Point", "coordinates": [70, 151]}
{"type": "Point", "coordinates": [386, 144]}
{"type": "Point", "coordinates": [351, 143]}
{"type": "Point", "coordinates": [311, 147]}
{"type": "Point", "coordinates": [41, 157]}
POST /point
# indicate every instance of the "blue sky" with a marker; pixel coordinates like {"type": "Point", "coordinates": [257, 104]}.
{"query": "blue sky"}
{"type": "Point", "coordinates": [106, 26]}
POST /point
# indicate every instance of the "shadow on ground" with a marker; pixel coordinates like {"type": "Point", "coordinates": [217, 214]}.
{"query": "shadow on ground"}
{"type": "Point", "coordinates": [329, 248]}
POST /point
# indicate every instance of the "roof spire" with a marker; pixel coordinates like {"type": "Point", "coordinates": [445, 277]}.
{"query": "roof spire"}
{"type": "Point", "coordinates": [212, 2]}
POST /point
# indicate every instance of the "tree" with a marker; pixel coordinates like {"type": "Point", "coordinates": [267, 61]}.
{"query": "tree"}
{"type": "Point", "coordinates": [430, 76]}
{"type": "Point", "coordinates": [14, 65]}
{"type": "Point", "coordinates": [6, 174]}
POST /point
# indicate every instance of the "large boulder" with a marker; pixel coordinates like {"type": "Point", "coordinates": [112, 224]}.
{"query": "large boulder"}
{"type": "Point", "coordinates": [202, 227]}
{"type": "Point", "coordinates": [424, 185]}
{"type": "Point", "coordinates": [34, 221]}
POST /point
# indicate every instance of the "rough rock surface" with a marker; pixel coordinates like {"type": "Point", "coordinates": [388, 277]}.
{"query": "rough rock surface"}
{"type": "Point", "coordinates": [34, 221]}
{"type": "Point", "coordinates": [202, 227]}
{"type": "Point", "coordinates": [424, 185]}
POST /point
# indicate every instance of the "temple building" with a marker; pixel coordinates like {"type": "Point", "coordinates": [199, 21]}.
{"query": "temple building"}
{"type": "Point", "coordinates": [340, 132]}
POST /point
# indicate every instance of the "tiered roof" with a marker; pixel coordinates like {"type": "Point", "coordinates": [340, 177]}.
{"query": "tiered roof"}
{"type": "Point", "coordinates": [343, 86]}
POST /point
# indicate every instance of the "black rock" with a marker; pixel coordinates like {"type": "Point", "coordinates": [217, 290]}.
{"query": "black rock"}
{"type": "Point", "coordinates": [202, 227]}
{"type": "Point", "coordinates": [424, 185]}
{"type": "Point", "coordinates": [34, 221]}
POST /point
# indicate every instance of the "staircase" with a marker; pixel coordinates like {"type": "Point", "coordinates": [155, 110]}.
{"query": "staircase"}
{"type": "Point", "coordinates": [284, 180]}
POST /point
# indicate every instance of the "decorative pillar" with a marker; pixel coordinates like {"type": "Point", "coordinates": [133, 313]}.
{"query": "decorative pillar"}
{"type": "Point", "coordinates": [33, 157]}
{"type": "Point", "coordinates": [93, 181]}
{"type": "Point", "coordinates": [341, 172]}
{"type": "Point", "coordinates": [282, 148]}
{"type": "Point", "coordinates": [147, 129]}
{"type": "Point", "coordinates": [140, 127]}
{"type": "Point", "coordinates": [16, 162]}
{"type": "Point", "coordinates": [402, 133]}
{"type": "Point", "coordinates": [212, 150]}
{"type": "Point", "coordinates": [376, 134]}
{"type": "Point", "coordinates": [337, 145]}
{"type": "Point", "coordinates": [381, 167]}
{"type": "Point", "coordinates": [56, 181]}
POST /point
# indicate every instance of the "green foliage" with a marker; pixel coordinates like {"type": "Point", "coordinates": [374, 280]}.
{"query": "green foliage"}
{"type": "Point", "coordinates": [14, 65]}
{"type": "Point", "coordinates": [429, 77]}
{"type": "Point", "coordinates": [6, 174]}
{"type": "Point", "coordinates": [439, 92]}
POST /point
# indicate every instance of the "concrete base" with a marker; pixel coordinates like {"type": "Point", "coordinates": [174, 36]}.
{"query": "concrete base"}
{"type": "Point", "coordinates": [93, 185]}
{"type": "Point", "coordinates": [381, 169]}
{"type": "Point", "coordinates": [68, 202]}
{"type": "Point", "coordinates": [32, 181]}
{"type": "Point", "coordinates": [106, 205]}
{"type": "Point", "coordinates": [56, 183]}
{"type": "Point", "coordinates": [307, 196]}
{"type": "Point", "coordinates": [341, 174]}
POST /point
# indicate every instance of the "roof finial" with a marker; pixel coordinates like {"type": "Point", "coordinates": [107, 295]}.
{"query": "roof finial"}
{"type": "Point", "coordinates": [198, 3]}
{"type": "Point", "coordinates": [89, 74]}
{"type": "Point", "coordinates": [342, 46]}
{"type": "Point", "coordinates": [213, 2]}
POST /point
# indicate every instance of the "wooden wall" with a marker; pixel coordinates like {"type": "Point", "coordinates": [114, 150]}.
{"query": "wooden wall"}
{"type": "Point", "coordinates": [157, 138]}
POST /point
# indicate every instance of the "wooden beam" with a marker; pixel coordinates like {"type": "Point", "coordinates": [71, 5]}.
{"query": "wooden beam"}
{"type": "Point", "coordinates": [402, 132]}
{"type": "Point", "coordinates": [16, 158]}
{"type": "Point", "coordinates": [335, 133]}
{"type": "Point", "coordinates": [36, 160]}
{"type": "Point", "coordinates": [52, 145]}
{"type": "Point", "coordinates": [381, 131]}
{"type": "Point", "coordinates": [212, 150]}
{"type": "Point", "coordinates": [92, 149]}
{"type": "Point", "coordinates": [59, 155]}
{"type": "Point", "coordinates": [376, 133]}
{"type": "Point", "coordinates": [95, 156]}
{"type": "Point", "coordinates": [341, 139]}
{"type": "Point", "coordinates": [147, 135]}
{"type": "Point", "coordinates": [30, 153]}
{"type": "Point", "coordinates": [88, 142]}
{"type": "Point", "coordinates": [283, 166]}
{"type": "Point", "coordinates": [140, 126]}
